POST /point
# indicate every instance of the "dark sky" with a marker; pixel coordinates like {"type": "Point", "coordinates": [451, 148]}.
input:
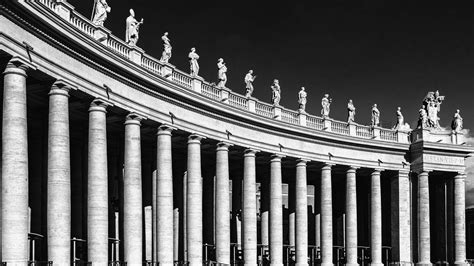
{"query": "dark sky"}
{"type": "Point", "coordinates": [389, 53]}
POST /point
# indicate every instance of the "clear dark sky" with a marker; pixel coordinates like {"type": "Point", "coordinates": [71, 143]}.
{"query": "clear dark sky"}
{"type": "Point", "coordinates": [389, 53]}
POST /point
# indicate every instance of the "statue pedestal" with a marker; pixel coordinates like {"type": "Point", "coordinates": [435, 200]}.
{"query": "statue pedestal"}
{"type": "Point", "coordinates": [101, 34]}
{"type": "Point", "coordinates": [251, 104]}
{"type": "Point", "coordinates": [136, 55]}
{"type": "Point", "coordinates": [434, 135]}
{"type": "Point", "coordinates": [327, 124]}
{"type": "Point", "coordinates": [196, 84]}
{"type": "Point", "coordinates": [276, 112]}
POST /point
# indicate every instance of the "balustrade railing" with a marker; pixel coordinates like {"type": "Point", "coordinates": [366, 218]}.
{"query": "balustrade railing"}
{"type": "Point", "coordinates": [290, 116]}
{"type": "Point", "coordinates": [49, 4]}
{"type": "Point", "coordinates": [210, 91]}
{"type": "Point", "coordinates": [340, 127]}
{"type": "Point", "coordinates": [315, 122]}
{"type": "Point", "coordinates": [238, 101]}
{"type": "Point", "coordinates": [264, 109]}
{"type": "Point", "coordinates": [151, 64]}
{"type": "Point", "coordinates": [82, 23]}
{"type": "Point", "coordinates": [364, 131]}
{"type": "Point", "coordinates": [181, 78]}
{"type": "Point", "coordinates": [387, 134]}
{"type": "Point", "coordinates": [118, 46]}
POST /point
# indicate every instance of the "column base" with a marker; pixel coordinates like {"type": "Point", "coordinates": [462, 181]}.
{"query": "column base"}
{"type": "Point", "coordinates": [277, 264]}
{"type": "Point", "coordinates": [352, 264]}
{"type": "Point", "coordinates": [326, 264]}
{"type": "Point", "coordinates": [401, 263]}
{"type": "Point", "coordinates": [301, 264]}
{"type": "Point", "coordinates": [250, 264]}
{"type": "Point", "coordinates": [376, 264]}
{"type": "Point", "coordinates": [460, 263]}
{"type": "Point", "coordinates": [424, 263]}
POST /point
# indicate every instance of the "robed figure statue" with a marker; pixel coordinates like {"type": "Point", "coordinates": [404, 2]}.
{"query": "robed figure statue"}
{"type": "Point", "coordinates": [99, 12]}
{"type": "Point", "coordinates": [133, 26]}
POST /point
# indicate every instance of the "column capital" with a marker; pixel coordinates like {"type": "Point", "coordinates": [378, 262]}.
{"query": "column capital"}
{"type": "Point", "coordinates": [327, 166]}
{"type": "Point", "coordinates": [134, 119]}
{"type": "Point", "coordinates": [99, 104]}
{"type": "Point", "coordinates": [250, 152]}
{"type": "Point", "coordinates": [61, 87]}
{"type": "Point", "coordinates": [352, 169]}
{"type": "Point", "coordinates": [223, 146]}
{"type": "Point", "coordinates": [403, 173]}
{"type": "Point", "coordinates": [276, 157]}
{"type": "Point", "coordinates": [460, 176]}
{"type": "Point", "coordinates": [195, 138]}
{"type": "Point", "coordinates": [18, 66]}
{"type": "Point", "coordinates": [300, 162]}
{"type": "Point", "coordinates": [165, 129]}
{"type": "Point", "coordinates": [377, 171]}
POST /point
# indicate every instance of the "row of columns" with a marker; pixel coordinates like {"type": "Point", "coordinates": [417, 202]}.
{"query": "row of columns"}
{"type": "Point", "coordinates": [15, 193]}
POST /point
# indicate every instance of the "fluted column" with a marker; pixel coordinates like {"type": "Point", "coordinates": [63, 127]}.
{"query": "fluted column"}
{"type": "Point", "coordinates": [249, 209]}
{"type": "Point", "coordinates": [301, 218]}
{"type": "Point", "coordinates": [14, 165]}
{"type": "Point", "coordinates": [276, 214]}
{"type": "Point", "coordinates": [59, 176]}
{"type": "Point", "coordinates": [132, 191]}
{"type": "Point", "coordinates": [97, 187]}
{"type": "Point", "coordinates": [194, 202]}
{"type": "Point", "coordinates": [164, 196]}
{"type": "Point", "coordinates": [460, 219]}
{"type": "Point", "coordinates": [424, 242]}
{"type": "Point", "coordinates": [326, 216]}
{"type": "Point", "coordinates": [222, 204]}
{"type": "Point", "coordinates": [351, 217]}
{"type": "Point", "coordinates": [375, 219]}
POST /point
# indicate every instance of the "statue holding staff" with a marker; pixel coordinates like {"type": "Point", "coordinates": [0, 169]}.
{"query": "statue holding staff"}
{"type": "Point", "coordinates": [133, 26]}
{"type": "Point", "coordinates": [99, 12]}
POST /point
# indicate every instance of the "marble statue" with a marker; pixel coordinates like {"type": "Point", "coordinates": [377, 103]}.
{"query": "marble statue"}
{"type": "Point", "coordinates": [101, 8]}
{"type": "Point", "coordinates": [302, 100]}
{"type": "Point", "coordinates": [375, 116]}
{"type": "Point", "coordinates": [193, 62]}
{"type": "Point", "coordinates": [166, 55]}
{"type": "Point", "coordinates": [221, 73]}
{"type": "Point", "coordinates": [351, 111]}
{"type": "Point", "coordinates": [423, 119]}
{"type": "Point", "coordinates": [432, 105]}
{"type": "Point", "coordinates": [276, 92]}
{"type": "Point", "coordinates": [133, 26]}
{"type": "Point", "coordinates": [401, 125]}
{"type": "Point", "coordinates": [326, 104]}
{"type": "Point", "coordinates": [457, 125]}
{"type": "Point", "coordinates": [249, 78]}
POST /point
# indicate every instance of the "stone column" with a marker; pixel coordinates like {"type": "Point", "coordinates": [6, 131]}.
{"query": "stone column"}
{"type": "Point", "coordinates": [326, 216]}
{"type": "Point", "coordinates": [401, 219]}
{"type": "Point", "coordinates": [97, 187]}
{"type": "Point", "coordinates": [59, 176]}
{"type": "Point", "coordinates": [194, 202]}
{"type": "Point", "coordinates": [132, 192]}
{"type": "Point", "coordinates": [376, 219]}
{"type": "Point", "coordinates": [301, 214]}
{"type": "Point", "coordinates": [424, 242]}
{"type": "Point", "coordinates": [148, 232]}
{"type": "Point", "coordinates": [351, 217]}
{"type": "Point", "coordinates": [14, 165]}
{"type": "Point", "coordinates": [460, 219]}
{"type": "Point", "coordinates": [249, 209]}
{"type": "Point", "coordinates": [222, 204]}
{"type": "Point", "coordinates": [154, 221]}
{"type": "Point", "coordinates": [276, 214]}
{"type": "Point", "coordinates": [264, 206]}
{"type": "Point", "coordinates": [164, 196]}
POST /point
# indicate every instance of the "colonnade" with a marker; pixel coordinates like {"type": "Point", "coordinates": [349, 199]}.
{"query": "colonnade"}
{"type": "Point", "coordinates": [14, 208]}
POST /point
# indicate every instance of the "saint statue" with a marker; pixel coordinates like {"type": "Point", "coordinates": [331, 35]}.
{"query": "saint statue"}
{"type": "Point", "coordinates": [133, 26]}
{"type": "Point", "coordinates": [423, 119]}
{"type": "Point", "coordinates": [351, 111]}
{"type": "Point", "coordinates": [101, 8]}
{"type": "Point", "coordinates": [432, 105]}
{"type": "Point", "coordinates": [326, 104]}
{"type": "Point", "coordinates": [221, 73]}
{"type": "Point", "coordinates": [166, 55]}
{"type": "Point", "coordinates": [249, 78]}
{"type": "Point", "coordinates": [375, 116]}
{"type": "Point", "coordinates": [276, 92]}
{"type": "Point", "coordinates": [302, 100]}
{"type": "Point", "coordinates": [456, 125]}
{"type": "Point", "coordinates": [193, 62]}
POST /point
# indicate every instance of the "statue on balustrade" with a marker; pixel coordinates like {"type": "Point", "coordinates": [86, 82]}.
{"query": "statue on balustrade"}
{"type": "Point", "coordinates": [221, 73]}
{"type": "Point", "coordinates": [456, 125]}
{"type": "Point", "coordinates": [100, 10]}
{"type": "Point", "coordinates": [193, 62]}
{"type": "Point", "coordinates": [423, 119]}
{"type": "Point", "coordinates": [326, 104]}
{"type": "Point", "coordinates": [133, 26]}
{"type": "Point", "coordinates": [276, 92]}
{"type": "Point", "coordinates": [302, 100]}
{"type": "Point", "coordinates": [401, 125]}
{"type": "Point", "coordinates": [166, 55]}
{"type": "Point", "coordinates": [351, 111]}
{"type": "Point", "coordinates": [375, 116]}
{"type": "Point", "coordinates": [432, 105]}
{"type": "Point", "coordinates": [249, 78]}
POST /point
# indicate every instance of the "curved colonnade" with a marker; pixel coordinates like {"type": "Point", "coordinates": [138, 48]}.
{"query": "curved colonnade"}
{"type": "Point", "coordinates": [368, 187]}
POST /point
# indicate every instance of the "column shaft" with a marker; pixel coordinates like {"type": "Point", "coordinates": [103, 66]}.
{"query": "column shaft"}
{"type": "Point", "coordinates": [97, 193]}
{"type": "Point", "coordinates": [164, 197]}
{"type": "Point", "coordinates": [424, 242]}
{"type": "Point", "coordinates": [460, 220]}
{"type": "Point", "coordinates": [351, 217]}
{"type": "Point", "coordinates": [401, 219]}
{"type": "Point", "coordinates": [249, 209]}
{"type": "Point", "coordinates": [326, 216]}
{"type": "Point", "coordinates": [14, 166]}
{"type": "Point", "coordinates": [276, 215]}
{"type": "Point", "coordinates": [194, 202]}
{"type": "Point", "coordinates": [301, 214]}
{"type": "Point", "coordinates": [132, 192]}
{"type": "Point", "coordinates": [376, 219]}
{"type": "Point", "coordinates": [222, 204]}
{"type": "Point", "coordinates": [59, 177]}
